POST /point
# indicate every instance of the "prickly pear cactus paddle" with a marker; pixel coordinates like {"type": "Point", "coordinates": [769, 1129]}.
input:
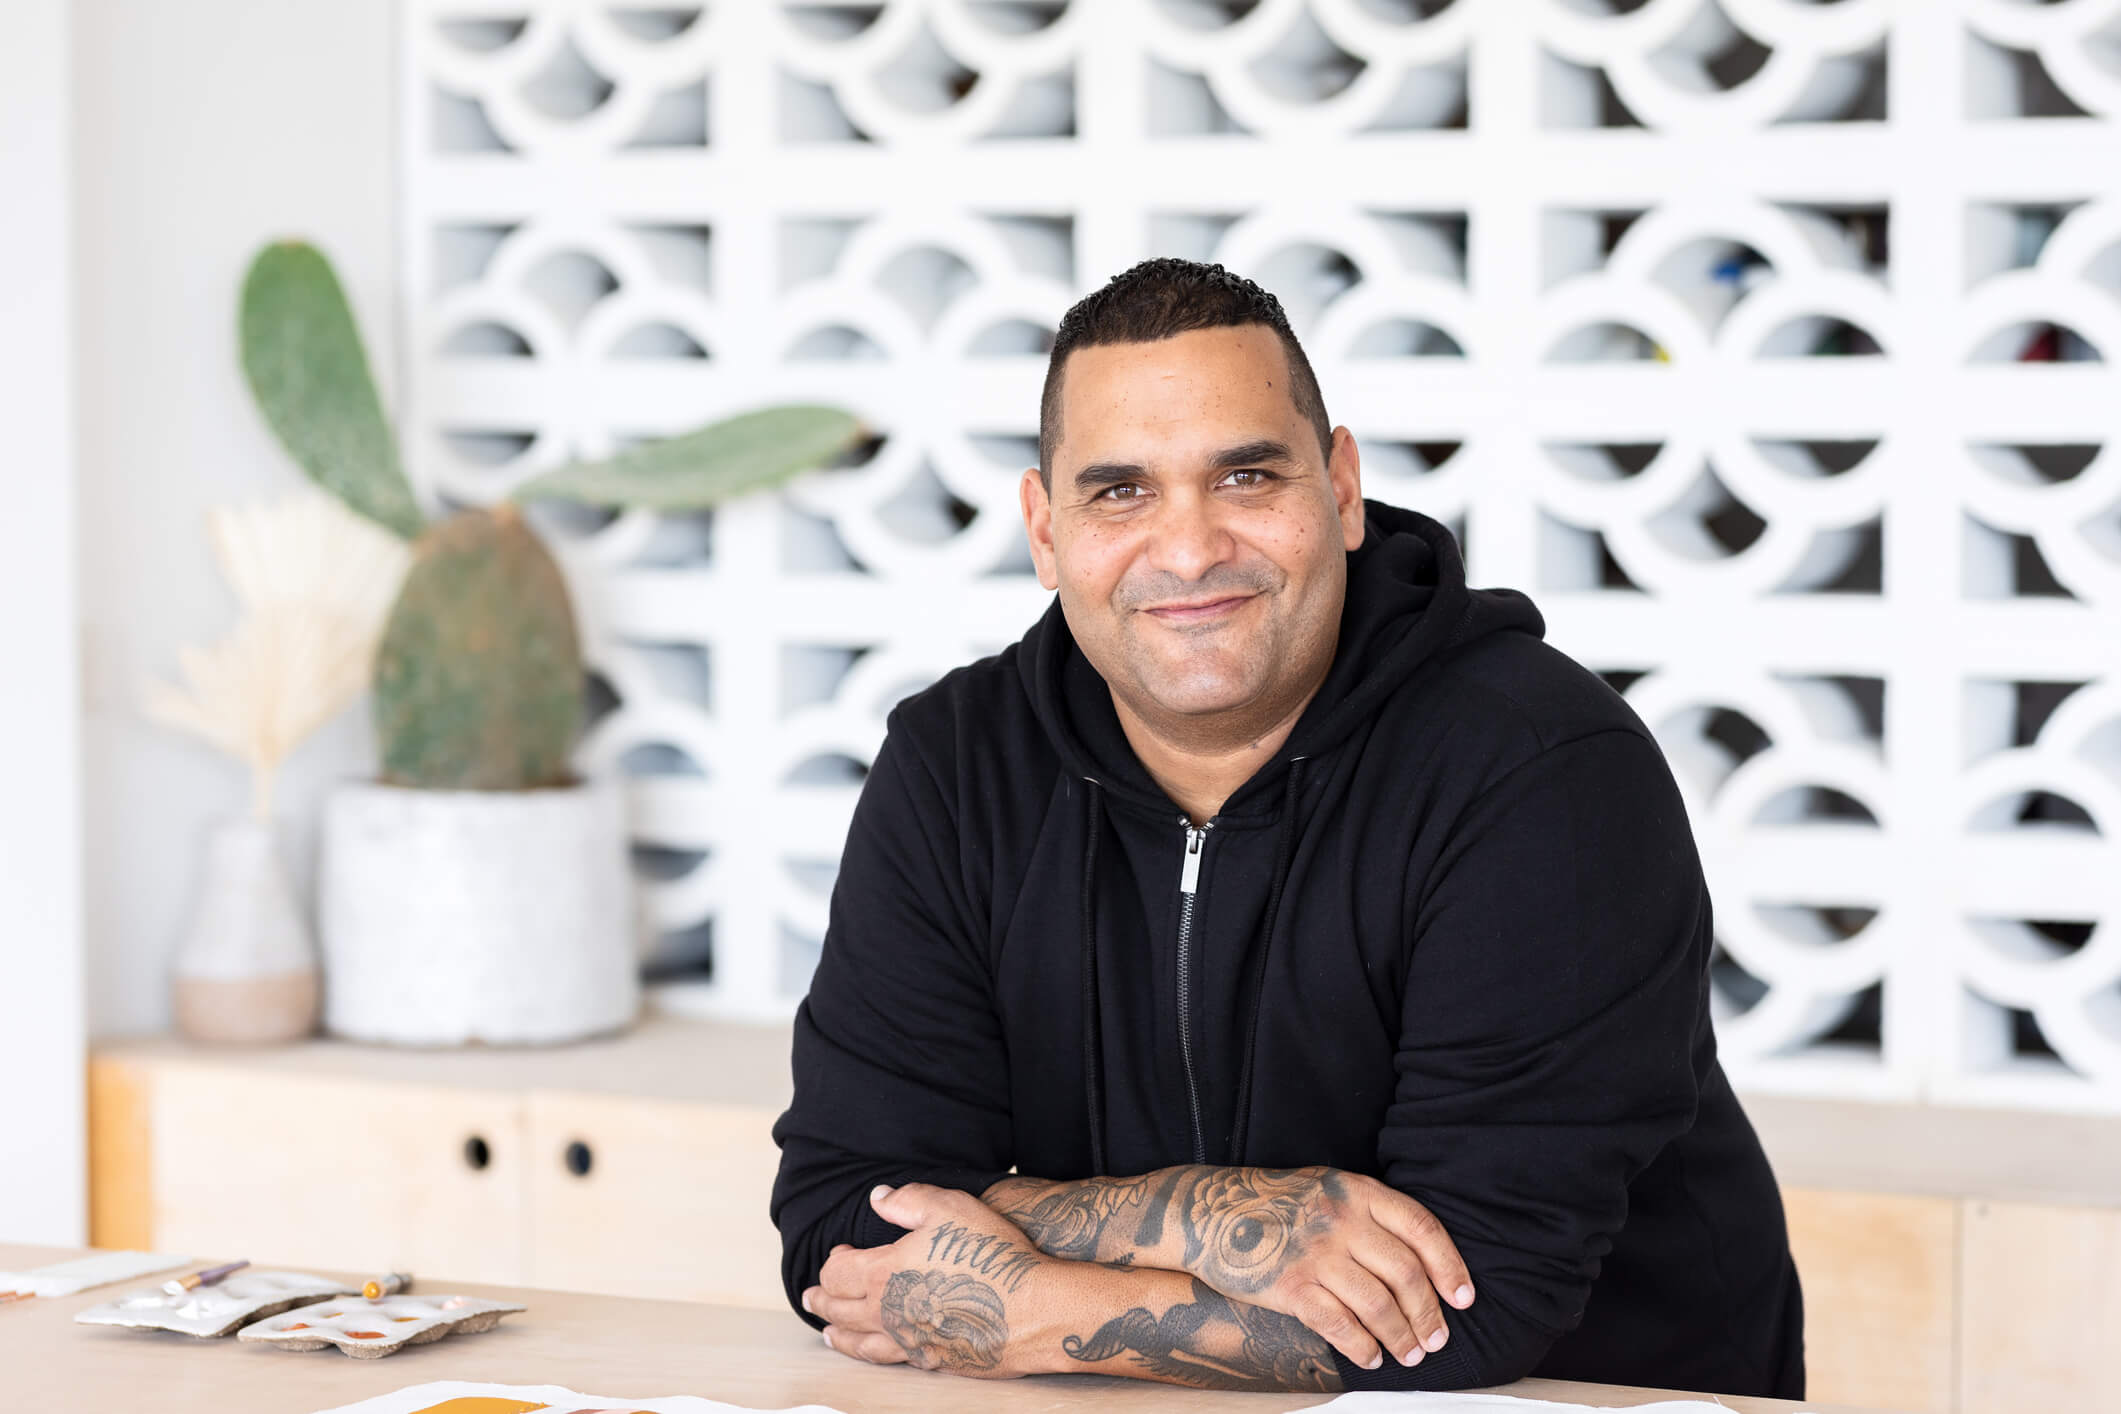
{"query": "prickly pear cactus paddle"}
{"type": "Point", "coordinates": [478, 679]}
{"type": "Point", "coordinates": [308, 371]}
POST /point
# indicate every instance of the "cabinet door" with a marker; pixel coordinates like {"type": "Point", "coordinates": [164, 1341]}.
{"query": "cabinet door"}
{"type": "Point", "coordinates": [657, 1198]}
{"type": "Point", "coordinates": [1880, 1275]}
{"type": "Point", "coordinates": [314, 1171]}
{"type": "Point", "coordinates": [2041, 1308]}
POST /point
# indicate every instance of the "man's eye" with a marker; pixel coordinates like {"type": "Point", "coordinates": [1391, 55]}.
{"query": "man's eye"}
{"type": "Point", "coordinates": [1113, 493]}
{"type": "Point", "coordinates": [1259, 476]}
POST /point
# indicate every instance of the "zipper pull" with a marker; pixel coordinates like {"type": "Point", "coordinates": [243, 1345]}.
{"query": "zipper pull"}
{"type": "Point", "coordinates": [1189, 872]}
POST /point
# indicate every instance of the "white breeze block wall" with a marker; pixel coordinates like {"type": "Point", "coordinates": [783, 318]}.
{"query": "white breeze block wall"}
{"type": "Point", "coordinates": [1764, 343]}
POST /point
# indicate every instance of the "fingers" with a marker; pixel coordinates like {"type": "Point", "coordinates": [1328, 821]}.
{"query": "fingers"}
{"type": "Point", "coordinates": [1324, 1313]}
{"type": "Point", "coordinates": [872, 1346]}
{"type": "Point", "coordinates": [845, 1273]}
{"type": "Point", "coordinates": [850, 1313]}
{"type": "Point", "coordinates": [1394, 1264]}
{"type": "Point", "coordinates": [1378, 1307]}
{"type": "Point", "coordinates": [1418, 1228]}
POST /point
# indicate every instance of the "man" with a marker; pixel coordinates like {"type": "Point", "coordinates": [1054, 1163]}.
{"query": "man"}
{"type": "Point", "coordinates": [1325, 954]}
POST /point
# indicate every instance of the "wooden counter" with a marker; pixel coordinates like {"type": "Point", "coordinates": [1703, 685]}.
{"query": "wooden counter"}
{"type": "Point", "coordinates": [598, 1345]}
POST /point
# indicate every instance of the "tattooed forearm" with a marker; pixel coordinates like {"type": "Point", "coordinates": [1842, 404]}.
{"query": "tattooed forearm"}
{"type": "Point", "coordinates": [1235, 1227]}
{"type": "Point", "coordinates": [945, 1320]}
{"type": "Point", "coordinates": [983, 1252]}
{"type": "Point", "coordinates": [1214, 1343]}
{"type": "Point", "coordinates": [1070, 1219]}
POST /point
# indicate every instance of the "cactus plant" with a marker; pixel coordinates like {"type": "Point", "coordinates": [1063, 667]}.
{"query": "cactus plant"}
{"type": "Point", "coordinates": [478, 678]}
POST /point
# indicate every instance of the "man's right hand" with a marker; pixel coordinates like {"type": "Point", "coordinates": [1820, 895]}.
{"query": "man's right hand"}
{"type": "Point", "coordinates": [1352, 1258]}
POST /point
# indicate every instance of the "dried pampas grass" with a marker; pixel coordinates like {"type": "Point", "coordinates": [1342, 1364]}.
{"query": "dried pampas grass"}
{"type": "Point", "coordinates": [315, 582]}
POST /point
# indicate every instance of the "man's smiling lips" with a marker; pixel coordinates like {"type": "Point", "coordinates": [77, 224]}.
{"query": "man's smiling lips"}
{"type": "Point", "coordinates": [1205, 611]}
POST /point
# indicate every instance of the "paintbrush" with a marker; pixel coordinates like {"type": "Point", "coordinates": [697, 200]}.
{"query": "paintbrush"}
{"type": "Point", "coordinates": [177, 1286]}
{"type": "Point", "coordinates": [375, 1289]}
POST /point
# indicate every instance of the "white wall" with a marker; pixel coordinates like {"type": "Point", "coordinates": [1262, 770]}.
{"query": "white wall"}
{"type": "Point", "coordinates": [201, 130]}
{"type": "Point", "coordinates": [42, 1152]}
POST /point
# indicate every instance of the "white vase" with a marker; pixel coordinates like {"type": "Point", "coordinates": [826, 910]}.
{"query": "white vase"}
{"type": "Point", "coordinates": [455, 916]}
{"type": "Point", "coordinates": [245, 970]}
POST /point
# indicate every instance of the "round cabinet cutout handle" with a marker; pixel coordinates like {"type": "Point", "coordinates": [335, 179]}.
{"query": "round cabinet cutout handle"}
{"type": "Point", "coordinates": [578, 1158]}
{"type": "Point", "coordinates": [477, 1153]}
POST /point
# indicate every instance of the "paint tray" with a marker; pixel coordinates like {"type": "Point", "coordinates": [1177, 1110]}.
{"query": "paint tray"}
{"type": "Point", "coordinates": [369, 1330]}
{"type": "Point", "coordinates": [236, 1300]}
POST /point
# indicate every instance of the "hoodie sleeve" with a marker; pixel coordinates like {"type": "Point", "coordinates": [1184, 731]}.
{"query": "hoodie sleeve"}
{"type": "Point", "coordinates": [900, 1072]}
{"type": "Point", "coordinates": [1554, 1013]}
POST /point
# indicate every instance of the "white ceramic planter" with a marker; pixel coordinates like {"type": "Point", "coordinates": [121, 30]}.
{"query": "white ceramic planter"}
{"type": "Point", "coordinates": [456, 916]}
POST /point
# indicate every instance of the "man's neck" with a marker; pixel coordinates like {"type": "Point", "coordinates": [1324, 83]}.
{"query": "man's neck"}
{"type": "Point", "coordinates": [1201, 770]}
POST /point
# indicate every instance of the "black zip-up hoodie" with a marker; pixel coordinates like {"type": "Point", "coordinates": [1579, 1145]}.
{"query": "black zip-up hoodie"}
{"type": "Point", "coordinates": [1454, 935]}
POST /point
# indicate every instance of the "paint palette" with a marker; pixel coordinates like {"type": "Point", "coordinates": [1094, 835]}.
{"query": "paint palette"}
{"type": "Point", "coordinates": [235, 1300]}
{"type": "Point", "coordinates": [369, 1330]}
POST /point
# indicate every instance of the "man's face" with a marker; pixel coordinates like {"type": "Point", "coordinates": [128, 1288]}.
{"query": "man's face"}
{"type": "Point", "coordinates": [1194, 529]}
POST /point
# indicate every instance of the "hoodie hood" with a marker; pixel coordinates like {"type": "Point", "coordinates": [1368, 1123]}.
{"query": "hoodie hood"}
{"type": "Point", "coordinates": [1407, 605]}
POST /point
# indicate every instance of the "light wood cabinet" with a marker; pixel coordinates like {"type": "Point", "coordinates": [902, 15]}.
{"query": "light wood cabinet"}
{"type": "Point", "coordinates": [2040, 1280]}
{"type": "Point", "coordinates": [637, 1166]}
{"type": "Point", "coordinates": [664, 1198]}
{"type": "Point", "coordinates": [1954, 1261]}
{"type": "Point", "coordinates": [320, 1171]}
{"type": "Point", "coordinates": [1881, 1275]}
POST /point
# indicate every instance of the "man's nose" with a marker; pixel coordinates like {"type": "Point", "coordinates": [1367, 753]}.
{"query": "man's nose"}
{"type": "Point", "coordinates": [1190, 537]}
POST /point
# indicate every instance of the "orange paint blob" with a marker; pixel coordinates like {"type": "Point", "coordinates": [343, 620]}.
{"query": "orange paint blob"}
{"type": "Point", "coordinates": [297, 1326]}
{"type": "Point", "coordinates": [365, 1335]}
{"type": "Point", "coordinates": [480, 1404]}
{"type": "Point", "coordinates": [402, 1319]}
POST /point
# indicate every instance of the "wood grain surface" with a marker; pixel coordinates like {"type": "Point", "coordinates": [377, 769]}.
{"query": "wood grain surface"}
{"type": "Point", "coordinates": [601, 1345]}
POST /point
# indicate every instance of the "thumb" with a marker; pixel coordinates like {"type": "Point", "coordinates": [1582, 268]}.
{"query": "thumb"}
{"type": "Point", "coordinates": [906, 1205]}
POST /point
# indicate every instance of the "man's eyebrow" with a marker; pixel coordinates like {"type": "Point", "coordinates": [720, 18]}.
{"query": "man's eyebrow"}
{"type": "Point", "coordinates": [1253, 453]}
{"type": "Point", "coordinates": [1259, 451]}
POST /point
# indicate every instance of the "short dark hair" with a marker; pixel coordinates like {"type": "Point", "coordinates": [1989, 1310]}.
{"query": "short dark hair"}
{"type": "Point", "coordinates": [1158, 299]}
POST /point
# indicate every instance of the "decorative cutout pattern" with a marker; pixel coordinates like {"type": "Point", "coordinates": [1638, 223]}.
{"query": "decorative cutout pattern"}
{"type": "Point", "coordinates": [1763, 341]}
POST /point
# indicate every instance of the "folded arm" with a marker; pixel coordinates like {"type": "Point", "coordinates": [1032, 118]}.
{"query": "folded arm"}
{"type": "Point", "coordinates": [1357, 1261]}
{"type": "Point", "coordinates": [900, 1072]}
{"type": "Point", "coordinates": [1554, 1038]}
{"type": "Point", "coordinates": [966, 1292]}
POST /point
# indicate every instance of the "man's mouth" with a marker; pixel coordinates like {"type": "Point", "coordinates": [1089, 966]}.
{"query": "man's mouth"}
{"type": "Point", "coordinates": [1203, 611]}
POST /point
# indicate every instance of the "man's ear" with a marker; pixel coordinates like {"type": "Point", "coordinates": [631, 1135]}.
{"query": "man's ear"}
{"type": "Point", "coordinates": [1344, 472]}
{"type": "Point", "coordinates": [1038, 526]}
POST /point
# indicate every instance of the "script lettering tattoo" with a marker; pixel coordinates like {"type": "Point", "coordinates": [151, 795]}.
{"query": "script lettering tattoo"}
{"type": "Point", "coordinates": [984, 1252]}
{"type": "Point", "coordinates": [1215, 1343]}
{"type": "Point", "coordinates": [945, 1320]}
{"type": "Point", "coordinates": [1240, 1226]}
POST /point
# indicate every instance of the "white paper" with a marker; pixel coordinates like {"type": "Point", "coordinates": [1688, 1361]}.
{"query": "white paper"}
{"type": "Point", "coordinates": [567, 1401]}
{"type": "Point", "coordinates": [1378, 1401]}
{"type": "Point", "coordinates": [96, 1269]}
{"type": "Point", "coordinates": [556, 1399]}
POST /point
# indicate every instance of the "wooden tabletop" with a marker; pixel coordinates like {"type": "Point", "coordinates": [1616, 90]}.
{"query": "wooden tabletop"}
{"type": "Point", "coordinates": [598, 1345]}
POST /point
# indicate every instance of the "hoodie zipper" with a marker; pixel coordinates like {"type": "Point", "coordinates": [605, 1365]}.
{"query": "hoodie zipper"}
{"type": "Point", "coordinates": [1188, 892]}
